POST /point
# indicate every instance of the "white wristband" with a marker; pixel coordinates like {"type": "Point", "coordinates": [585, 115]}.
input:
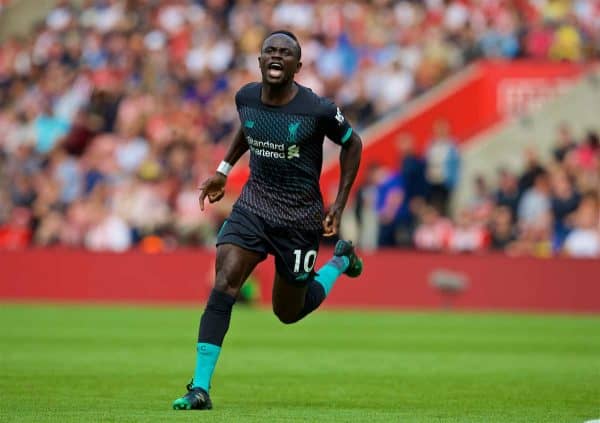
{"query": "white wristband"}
{"type": "Point", "coordinates": [224, 168]}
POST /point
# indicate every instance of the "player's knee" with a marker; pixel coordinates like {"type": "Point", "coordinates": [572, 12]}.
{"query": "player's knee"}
{"type": "Point", "coordinates": [223, 284]}
{"type": "Point", "coordinates": [285, 316]}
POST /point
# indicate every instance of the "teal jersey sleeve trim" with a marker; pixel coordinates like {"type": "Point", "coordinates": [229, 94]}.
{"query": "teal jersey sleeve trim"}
{"type": "Point", "coordinates": [347, 135]}
{"type": "Point", "coordinates": [221, 229]}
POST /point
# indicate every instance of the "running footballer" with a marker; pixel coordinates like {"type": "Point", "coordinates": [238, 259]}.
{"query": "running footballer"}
{"type": "Point", "coordinates": [280, 210]}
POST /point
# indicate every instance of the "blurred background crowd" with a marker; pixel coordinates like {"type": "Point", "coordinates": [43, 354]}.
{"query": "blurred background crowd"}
{"type": "Point", "coordinates": [112, 112]}
{"type": "Point", "coordinates": [551, 208]}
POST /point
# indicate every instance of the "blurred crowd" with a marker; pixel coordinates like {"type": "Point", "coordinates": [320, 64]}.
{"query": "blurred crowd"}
{"type": "Point", "coordinates": [112, 112]}
{"type": "Point", "coordinates": [4, 4]}
{"type": "Point", "coordinates": [549, 209]}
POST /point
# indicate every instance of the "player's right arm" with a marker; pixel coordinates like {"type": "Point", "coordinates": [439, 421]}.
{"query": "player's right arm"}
{"type": "Point", "coordinates": [214, 187]}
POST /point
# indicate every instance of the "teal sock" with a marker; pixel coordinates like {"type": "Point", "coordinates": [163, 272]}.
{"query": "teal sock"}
{"type": "Point", "coordinates": [331, 271]}
{"type": "Point", "coordinates": [206, 360]}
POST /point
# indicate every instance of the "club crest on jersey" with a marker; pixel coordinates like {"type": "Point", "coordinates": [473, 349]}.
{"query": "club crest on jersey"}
{"type": "Point", "coordinates": [339, 117]}
{"type": "Point", "coordinates": [293, 131]}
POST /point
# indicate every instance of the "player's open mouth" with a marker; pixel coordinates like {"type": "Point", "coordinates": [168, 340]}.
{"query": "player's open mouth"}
{"type": "Point", "coordinates": [275, 70]}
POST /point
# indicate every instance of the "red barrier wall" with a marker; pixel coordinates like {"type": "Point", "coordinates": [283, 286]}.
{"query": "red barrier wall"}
{"type": "Point", "coordinates": [59, 274]}
{"type": "Point", "coordinates": [391, 279]}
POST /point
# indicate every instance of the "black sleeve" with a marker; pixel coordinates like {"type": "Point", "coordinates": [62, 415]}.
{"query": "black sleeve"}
{"type": "Point", "coordinates": [335, 124]}
{"type": "Point", "coordinates": [238, 96]}
{"type": "Point", "coordinates": [246, 95]}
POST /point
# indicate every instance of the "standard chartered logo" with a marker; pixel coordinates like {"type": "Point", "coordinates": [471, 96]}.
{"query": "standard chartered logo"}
{"type": "Point", "coordinates": [272, 150]}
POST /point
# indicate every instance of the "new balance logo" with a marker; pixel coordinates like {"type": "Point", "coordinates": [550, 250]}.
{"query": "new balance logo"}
{"type": "Point", "coordinates": [339, 117]}
{"type": "Point", "coordinates": [293, 151]}
{"type": "Point", "coordinates": [302, 276]}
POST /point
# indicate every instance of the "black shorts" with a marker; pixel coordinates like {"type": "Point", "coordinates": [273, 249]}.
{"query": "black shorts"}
{"type": "Point", "coordinates": [295, 250]}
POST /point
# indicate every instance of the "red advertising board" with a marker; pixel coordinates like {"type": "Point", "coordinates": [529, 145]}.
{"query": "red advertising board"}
{"type": "Point", "coordinates": [391, 280]}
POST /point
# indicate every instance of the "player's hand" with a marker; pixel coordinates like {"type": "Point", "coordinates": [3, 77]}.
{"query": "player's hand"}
{"type": "Point", "coordinates": [331, 223]}
{"type": "Point", "coordinates": [213, 188]}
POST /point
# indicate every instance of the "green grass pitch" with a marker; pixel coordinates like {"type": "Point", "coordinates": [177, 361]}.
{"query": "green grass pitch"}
{"type": "Point", "coordinates": [120, 364]}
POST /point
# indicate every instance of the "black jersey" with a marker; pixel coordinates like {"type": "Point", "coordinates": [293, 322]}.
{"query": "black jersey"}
{"type": "Point", "coordinates": [286, 154]}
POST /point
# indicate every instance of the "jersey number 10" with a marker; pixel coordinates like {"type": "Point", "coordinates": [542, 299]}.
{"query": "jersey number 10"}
{"type": "Point", "coordinates": [309, 260]}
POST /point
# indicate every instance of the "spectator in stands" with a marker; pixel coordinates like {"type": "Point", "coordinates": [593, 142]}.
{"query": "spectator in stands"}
{"type": "Point", "coordinates": [584, 240]}
{"type": "Point", "coordinates": [567, 42]}
{"type": "Point", "coordinates": [396, 84]}
{"type": "Point", "coordinates": [467, 235]}
{"type": "Point", "coordinates": [15, 234]}
{"type": "Point", "coordinates": [390, 201]}
{"type": "Point", "coordinates": [66, 171]}
{"type": "Point", "coordinates": [76, 222]}
{"type": "Point", "coordinates": [81, 133]}
{"type": "Point", "coordinates": [6, 205]}
{"type": "Point", "coordinates": [434, 230]}
{"type": "Point", "coordinates": [501, 228]}
{"type": "Point", "coordinates": [554, 10]}
{"type": "Point", "coordinates": [361, 109]}
{"type": "Point", "coordinates": [565, 142]}
{"type": "Point", "coordinates": [131, 152]}
{"type": "Point", "coordinates": [443, 167]}
{"type": "Point", "coordinates": [49, 228]}
{"type": "Point", "coordinates": [412, 171]}
{"type": "Point", "coordinates": [108, 231]}
{"type": "Point", "coordinates": [468, 39]}
{"type": "Point", "coordinates": [412, 168]}
{"type": "Point", "coordinates": [366, 207]}
{"type": "Point", "coordinates": [533, 241]}
{"type": "Point", "coordinates": [532, 169]}
{"type": "Point", "coordinates": [508, 194]}
{"type": "Point", "coordinates": [588, 153]}
{"type": "Point", "coordinates": [49, 128]}
{"type": "Point", "coordinates": [18, 131]}
{"type": "Point", "coordinates": [22, 191]}
{"type": "Point", "coordinates": [500, 40]}
{"type": "Point", "coordinates": [535, 204]}
{"type": "Point", "coordinates": [534, 220]}
{"type": "Point", "coordinates": [192, 226]}
{"type": "Point", "coordinates": [143, 204]}
{"type": "Point", "coordinates": [584, 179]}
{"type": "Point", "coordinates": [481, 204]}
{"type": "Point", "coordinates": [564, 201]}
{"type": "Point", "coordinates": [538, 39]}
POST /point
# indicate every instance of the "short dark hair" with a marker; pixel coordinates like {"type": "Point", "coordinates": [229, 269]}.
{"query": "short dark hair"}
{"type": "Point", "coordinates": [288, 34]}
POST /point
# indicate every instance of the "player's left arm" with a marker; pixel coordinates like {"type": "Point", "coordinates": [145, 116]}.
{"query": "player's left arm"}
{"type": "Point", "coordinates": [349, 162]}
{"type": "Point", "coordinates": [214, 187]}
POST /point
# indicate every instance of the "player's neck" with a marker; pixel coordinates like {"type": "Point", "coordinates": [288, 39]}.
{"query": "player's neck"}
{"type": "Point", "coordinates": [278, 95]}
